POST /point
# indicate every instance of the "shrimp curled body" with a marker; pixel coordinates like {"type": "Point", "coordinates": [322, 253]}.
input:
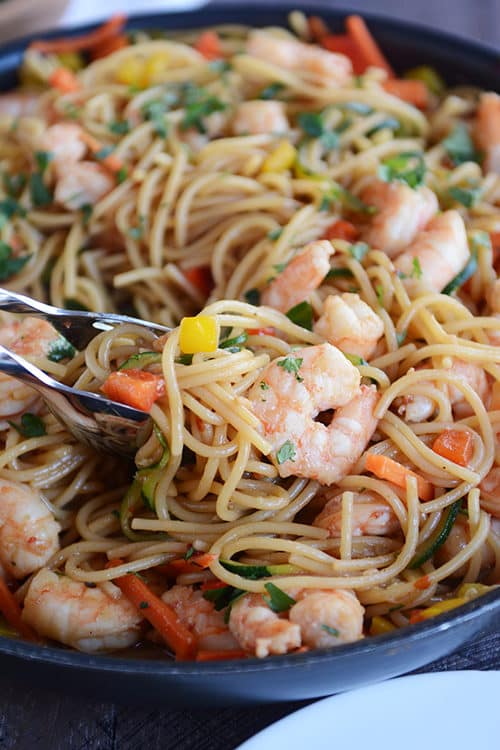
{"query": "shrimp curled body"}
{"type": "Point", "coordinates": [302, 276]}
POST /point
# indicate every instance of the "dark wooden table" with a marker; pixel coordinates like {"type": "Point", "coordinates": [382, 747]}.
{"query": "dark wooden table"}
{"type": "Point", "coordinates": [34, 719]}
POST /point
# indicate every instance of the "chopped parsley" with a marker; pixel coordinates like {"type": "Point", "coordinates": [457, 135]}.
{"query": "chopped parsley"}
{"type": "Point", "coordinates": [39, 192]}
{"type": "Point", "coordinates": [103, 153]}
{"type": "Point", "coordinates": [9, 208]}
{"type": "Point", "coordinates": [43, 159]}
{"type": "Point", "coordinates": [292, 365]}
{"type": "Point", "coordinates": [358, 250]}
{"type": "Point", "coordinates": [189, 553]}
{"type": "Point", "coordinates": [121, 175]}
{"type": "Point", "coordinates": [263, 385]}
{"type": "Point", "coordinates": [275, 234]}
{"type": "Point", "coordinates": [277, 600]}
{"type": "Point", "coordinates": [416, 272]}
{"type": "Point", "coordinates": [459, 146]}
{"type": "Point", "coordinates": [379, 291]}
{"type": "Point", "coordinates": [252, 296]}
{"type": "Point", "coordinates": [30, 426]}
{"type": "Point", "coordinates": [198, 104]}
{"type": "Point", "coordinates": [331, 631]}
{"type": "Point", "coordinates": [339, 194]}
{"type": "Point", "coordinates": [338, 273]}
{"type": "Point", "coordinates": [287, 452]}
{"type": "Point", "coordinates": [271, 91]}
{"type": "Point", "coordinates": [154, 111]}
{"type": "Point", "coordinates": [301, 315]}
{"type": "Point", "coordinates": [468, 197]}
{"type": "Point", "coordinates": [61, 349]}
{"type": "Point", "coordinates": [14, 184]}
{"type": "Point", "coordinates": [313, 125]}
{"type": "Point", "coordinates": [10, 265]}
{"type": "Point", "coordinates": [407, 167]}
{"type": "Point", "coordinates": [119, 127]}
{"type": "Point", "coordinates": [86, 210]}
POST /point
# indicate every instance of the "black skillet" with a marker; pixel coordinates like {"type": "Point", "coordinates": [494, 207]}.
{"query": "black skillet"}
{"type": "Point", "coordinates": [280, 678]}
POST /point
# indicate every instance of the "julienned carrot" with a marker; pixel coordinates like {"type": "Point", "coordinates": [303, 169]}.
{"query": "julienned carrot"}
{"type": "Point", "coordinates": [344, 45]}
{"type": "Point", "coordinates": [366, 44]}
{"type": "Point", "coordinates": [220, 655]}
{"type": "Point", "coordinates": [193, 565]}
{"type": "Point", "coordinates": [110, 161]}
{"type": "Point", "coordinates": [11, 610]}
{"type": "Point", "coordinates": [317, 28]}
{"type": "Point", "coordinates": [456, 445]}
{"type": "Point", "coordinates": [200, 277]}
{"type": "Point", "coordinates": [64, 80]}
{"type": "Point", "coordinates": [83, 42]}
{"type": "Point", "coordinates": [137, 388]}
{"type": "Point", "coordinates": [208, 44]}
{"type": "Point", "coordinates": [342, 230]}
{"type": "Point", "coordinates": [386, 468]}
{"type": "Point", "coordinates": [105, 48]}
{"type": "Point", "coordinates": [160, 615]}
{"type": "Point", "coordinates": [413, 92]}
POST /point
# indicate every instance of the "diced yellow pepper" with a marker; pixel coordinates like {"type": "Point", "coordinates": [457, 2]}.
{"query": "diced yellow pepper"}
{"type": "Point", "coordinates": [154, 66]}
{"type": "Point", "coordinates": [381, 625]}
{"type": "Point", "coordinates": [199, 334]}
{"type": "Point", "coordinates": [131, 72]}
{"type": "Point", "coordinates": [72, 60]}
{"type": "Point", "coordinates": [440, 607]}
{"type": "Point", "coordinates": [470, 591]}
{"type": "Point", "coordinates": [283, 157]}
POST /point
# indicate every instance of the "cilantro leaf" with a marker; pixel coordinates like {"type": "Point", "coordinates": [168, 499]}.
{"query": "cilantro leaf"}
{"type": "Point", "coordinates": [331, 631]}
{"type": "Point", "coordinates": [301, 315]}
{"type": "Point", "coordinates": [14, 184]}
{"type": "Point", "coordinates": [287, 452]}
{"type": "Point", "coordinates": [252, 296]}
{"type": "Point", "coordinates": [358, 250]}
{"type": "Point", "coordinates": [119, 127]}
{"type": "Point", "coordinates": [9, 208]}
{"type": "Point", "coordinates": [275, 234]}
{"type": "Point", "coordinates": [467, 271]}
{"type": "Point", "coordinates": [416, 272]}
{"type": "Point", "coordinates": [30, 426]}
{"type": "Point", "coordinates": [355, 359]}
{"type": "Point", "coordinates": [61, 349]}
{"type": "Point", "coordinates": [459, 146]}
{"type": "Point", "coordinates": [86, 210]}
{"type": "Point", "coordinates": [292, 365]}
{"type": "Point", "coordinates": [10, 265]}
{"type": "Point", "coordinates": [121, 175]}
{"type": "Point", "coordinates": [277, 600]}
{"type": "Point", "coordinates": [347, 199]}
{"type": "Point", "coordinates": [468, 197]}
{"type": "Point", "coordinates": [234, 344]}
{"type": "Point", "coordinates": [154, 111]}
{"type": "Point", "coordinates": [39, 192]}
{"type": "Point", "coordinates": [407, 167]}
{"type": "Point", "coordinates": [379, 291]}
{"type": "Point", "coordinates": [198, 104]}
{"type": "Point", "coordinates": [263, 385]}
{"type": "Point", "coordinates": [311, 123]}
{"type": "Point", "coordinates": [103, 152]}
{"type": "Point", "coordinates": [271, 91]}
{"type": "Point", "coordinates": [338, 273]}
{"type": "Point", "coordinates": [43, 159]}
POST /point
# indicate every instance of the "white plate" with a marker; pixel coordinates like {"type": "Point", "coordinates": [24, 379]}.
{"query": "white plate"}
{"type": "Point", "coordinates": [85, 11]}
{"type": "Point", "coordinates": [457, 710]}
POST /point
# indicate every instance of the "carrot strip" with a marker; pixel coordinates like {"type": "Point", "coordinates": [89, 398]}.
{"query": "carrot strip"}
{"type": "Point", "coordinates": [456, 445]}
{"type": "Point", "coordinates": [64, 80]}
{"type": "Point", "coordinates": [261, 331]}
{"type": "Point", "coordinates": [342, 230]}
{"type": "Point", "coordinates": [111, 162]}
{"type": "Point", "coordinates": [208, 44]}
{"type": "Point", "coordinates": [11, 610]}
{"type": "Point", "coordinates": [413, 92]}
{"type": "Point", "coordinates": [317, 28]}
{"type": "Point", "coordinates": [200, 277]}
{"type": "Point", "coordinates": [108, 46]}
{"type": "Point", "coordinates": [220, 655]}
{"type": "Point", "coordinates": [160, 615]}
{"type": "Point", "coordinates": [366, 44]}
{"type": "Point", "coordinates": [386, 468]}
{"type": "Point", "coordinates": [137, 388]}
{"type": "Point", "coordinates": [422, 583]}
{"type": "Point", "coordinates": [193, 565]}
{"type": "Point", "coordinates": [83, 42]}
{"type": "Point", "coordinates": [342, 44]}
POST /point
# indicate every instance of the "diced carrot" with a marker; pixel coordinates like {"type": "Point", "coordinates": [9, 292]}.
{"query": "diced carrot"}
{"type": "Point", "coordinates": [158, 613]}
{"type": "Point", "coordinates": [64, 80]}
{"type": "Point", "coordinates": [342, 230]}
{"type": "Point", "coordinates": [413, 92]}
{"type": "Point", "coordinates": [366, 44]}
{"type": "Point", "coordinates": [108, 46]}
{"type": "Point", "coordinates": [317, 28]}
{"type": "Point", "coordinates": [193, 565]}
{"type": "Point", "coordinates": [386, 468]}
{"type": "Point", "coordinates": [111, 162]}
{"type": "Point", "coordinates": [136, 388]}
{"type": "Point", "coordinates": [11, 610]}
{"type": "Point", "coordinates": [261, 331]}
{"type": "Point", "coordinates": [220, 655]}
{"type": "Point", "coordinates": [456, 445]}
{"type": "Point", "coordinates": [342, 44]}
{"type": "Point", "coordinates": [495, 397]}
{"type": "Point", "coordinates": [208, 44]}
{"type": "Point", "coordinates": [422, 583]}
{"type": "Point", "coordinates": [200, 277]}
{"type": "Point", "coordinates": [111, 28]}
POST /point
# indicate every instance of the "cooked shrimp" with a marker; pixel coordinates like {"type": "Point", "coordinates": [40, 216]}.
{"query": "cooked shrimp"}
{"type": "Point", "coordinates": [256, 117]}
{"type": "Point", "coordinates": [418, 408]}
{"type": "Point", "coordinates": [441, 250]}
{"type": "Point", "coordinates": [81, 617]}
{"type": "Point", "coordinates": [260, 630]}
{"type": "Point", "coordinates": [487, 130]}
{"type": "Point", "coordinates": [350, 324]}
{"type": "Point", "coordinates": [81, 184]}
{"type": "Point", "coordinates": [327, 617]}
{"type": "Point", "coordinates": [490, 492]}
{"type": "Point", "coordinates": [32, 338]}
{"type": "Point", "coordinates": [29, 534]}
{"type": "Point", "coordinates": [200, 617]}
{"type": "Point", "coordinates": [402, 214]}
{"type": "Point", "coordinates": [371, 516]}
{"type": "Point", "coordinates": [292, 391]}
{"type": "Point", "coordinates": [64, 143]}
{"type": "Point", "coordinates": [300, 277]}
{"type": "Point", "coordinates": [19, 104]}
{"type": "Point", "coordinates": [325, 68]}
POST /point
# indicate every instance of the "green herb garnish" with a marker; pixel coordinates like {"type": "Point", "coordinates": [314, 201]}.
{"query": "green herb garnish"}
{"type": "Point", "coordinates": [416, 272]}
{"type": "Point", "coordinates": [468, 197]}
{"type": "Point", "coordinates": [277, 600]}
{"type": "Point", "coordinates": [30, 426]}
{"type": "Point", "coordinates": [119, 127]}
{"type": "Point", "coordinates": [61, 349]}
{"type": "Point", "coordinates": [39, 192]}
{"type": "Point", "coordinates": [271, 91]}
{"type": "Point", "coordinates": [331, 631]}
{"type": "Point", "coordinates": [10, 265]}
{"type": "Point", "coordinates": [407, 167]}
{"type": "Point", "coordinates": [459, 146]}
{"type": "Point", "coordinates": [358, 250]}
{"type": "Point", "coordinates": [301, 315]}
{"type": "Point", "coordinates": [234, 344]}
{"type": "Point", "coordinates": [291, 364]}
{"type": "Point", "coordinates": [275, 234]}
{"type": "Point", "coordinates": [252, 296]}
{"type": "Point", "coordinates": [137, 232]}
{"type": "Point", "coordinates": [287, 452]}
{"type": "Point", "coordinates": [43, 159]}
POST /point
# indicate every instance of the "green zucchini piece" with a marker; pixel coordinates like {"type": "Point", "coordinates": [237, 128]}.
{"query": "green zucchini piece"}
{"type": "Point", "coordinates": [141, 360]}
{"type": "Point", "coordinates": [469, 270]}
{"type": "Point", "coordinates": [438, 538]}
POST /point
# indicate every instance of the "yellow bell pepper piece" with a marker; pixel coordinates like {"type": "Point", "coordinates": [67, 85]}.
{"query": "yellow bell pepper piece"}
{"type": "Point", "coordinates": [283, 157]}
{"type": "Point", "coordinates": [440, 607]}
{"type": "Point", "coordinates": [199, 334]}
{"type": "Point", "coordinates": [470, 591]}
{"type": "Point", "coordinates": [131, 72]}
{"type": "Point", "coordinates": [154, 66]}
{"type": "Point", "coordinates": [381, 625]}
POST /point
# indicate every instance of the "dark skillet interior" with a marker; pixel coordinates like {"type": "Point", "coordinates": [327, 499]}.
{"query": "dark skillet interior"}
{"type": "Point", "coordinates": [309, 675]}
